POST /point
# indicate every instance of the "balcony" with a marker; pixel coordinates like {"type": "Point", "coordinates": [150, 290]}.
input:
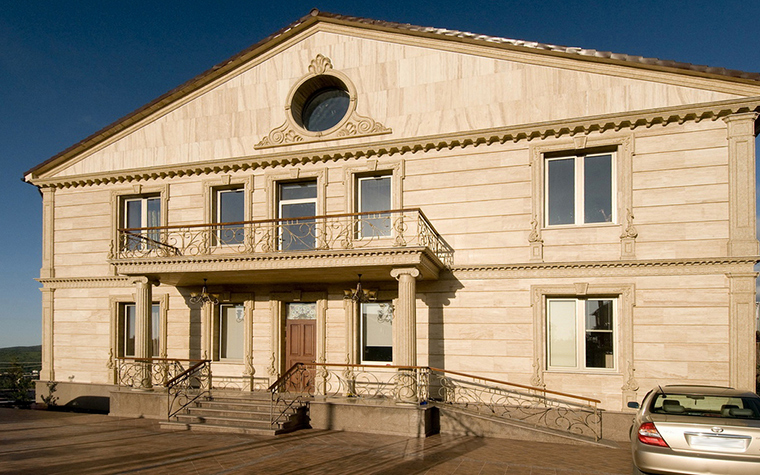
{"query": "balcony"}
{"type": "Point", "coordinates": [269, 250]}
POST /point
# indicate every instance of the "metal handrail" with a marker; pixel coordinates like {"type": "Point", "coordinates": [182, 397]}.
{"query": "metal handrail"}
{"type": "Point", "coordinates": [367, 230]}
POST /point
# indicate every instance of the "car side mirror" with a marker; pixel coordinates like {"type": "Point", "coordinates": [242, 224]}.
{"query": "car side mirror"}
{"type": "Point", "coordinates": [633, 405]}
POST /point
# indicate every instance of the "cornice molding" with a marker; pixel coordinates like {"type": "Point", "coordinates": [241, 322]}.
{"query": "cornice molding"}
{"type": "Point", "coordinates": [84, 282]}
{"type": "Point", "coordinates": [482, 137]}
{"type": "Point", "coordinates": [609, 268]}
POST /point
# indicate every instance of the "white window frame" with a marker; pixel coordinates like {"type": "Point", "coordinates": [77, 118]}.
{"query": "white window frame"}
{"type": "Point", "coordinates": [217, 330]}
{"type": "Point", "coordinates": [362, 342]}
{"type": "Point", "coordinates": [580, 333]}
{"type": "Point", "coordinates": [580, 195]}
{"type": "Point", "coordinates": [155, 235]}
{"type": "Point", "coordinates": [217, 214]}
{"type": "Point", "coordinates": [359, 202]}
{"type": "Point", "coordinates": [121, 347]}
{"type": "Point", "coordinates": [281, 202]}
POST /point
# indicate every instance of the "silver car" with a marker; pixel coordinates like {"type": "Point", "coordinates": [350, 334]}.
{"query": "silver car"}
{"type": "Point", "coordinates": [697, 430]}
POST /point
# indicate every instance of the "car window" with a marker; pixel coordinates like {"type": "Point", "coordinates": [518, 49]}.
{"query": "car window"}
{"type": "Point", "coordinates": [706, 406]}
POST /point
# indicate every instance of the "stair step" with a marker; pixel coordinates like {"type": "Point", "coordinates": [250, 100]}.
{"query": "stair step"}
{"type": "Point", "coordinates": [225, 412]}
{"type": "Point", "coordinates": [223, 428]}
{"type": "Point", "coordinates": [225, 421]}
{"type": "Point", "coordinates": [234, 406]}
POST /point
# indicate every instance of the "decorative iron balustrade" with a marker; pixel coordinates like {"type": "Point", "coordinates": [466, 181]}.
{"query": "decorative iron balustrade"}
{"type": "Point", "coordinates": [148, 372]}
{"type": "Point", "coordinates": [377, 229]}
{"type": "Point", "coordinates": [532, 406]}
{"type": "Point", "coordinates": [188, 386]}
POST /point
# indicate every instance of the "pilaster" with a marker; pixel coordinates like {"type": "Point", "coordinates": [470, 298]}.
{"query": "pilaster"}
{"type": "Point", "coordinates": [742, 240]}
{"type": "Point", "coordinates": [47, 271]}
{"type": "Point", "coordinates": [741, 331]}
{"type": "Point", "coordinates": [48, 372]}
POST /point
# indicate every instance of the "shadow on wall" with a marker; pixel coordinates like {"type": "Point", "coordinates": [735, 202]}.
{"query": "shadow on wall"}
{"type": "Point", "coordinates": [195, 324]}
{"type": "Point", "coordinates": [438, 295]}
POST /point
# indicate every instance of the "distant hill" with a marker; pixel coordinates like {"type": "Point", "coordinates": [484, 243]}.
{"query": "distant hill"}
{"type": "Point", "coordinates": [24, 354]}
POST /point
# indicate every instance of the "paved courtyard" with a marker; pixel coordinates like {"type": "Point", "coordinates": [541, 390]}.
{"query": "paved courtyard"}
{"type": "Point", "coordinates": [47, 442]}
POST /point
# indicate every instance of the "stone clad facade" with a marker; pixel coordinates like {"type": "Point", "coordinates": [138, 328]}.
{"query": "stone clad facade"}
{"type": "Point", "coordinates": [590, 220]}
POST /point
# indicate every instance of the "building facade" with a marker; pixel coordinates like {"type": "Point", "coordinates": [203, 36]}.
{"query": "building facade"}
{"type": "Point", "coordinates": [547, 216]}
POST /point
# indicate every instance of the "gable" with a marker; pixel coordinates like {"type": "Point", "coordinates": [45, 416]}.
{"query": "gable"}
{"type": "Point", "coordinates": [412, 86]}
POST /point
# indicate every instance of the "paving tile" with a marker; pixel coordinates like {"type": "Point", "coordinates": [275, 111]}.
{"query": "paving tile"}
{"type": "Point", "coordinates": [67, 443]}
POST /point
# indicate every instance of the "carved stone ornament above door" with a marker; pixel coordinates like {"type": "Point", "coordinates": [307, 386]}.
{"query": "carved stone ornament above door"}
{"type": "Point", "coordinates": [321, 106]}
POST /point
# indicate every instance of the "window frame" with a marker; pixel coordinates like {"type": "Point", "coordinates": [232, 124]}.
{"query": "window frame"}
{"type": "Point", "coordinates": [296, 201]}
{"type": "Point", "coordinates": [360, 202]}
{"type": "Point", "coordinates": [117, 304]}
{"type": "Point", "coordinates": [362, 335]}
{"type": "Point", "coordinates": [579, 192]}
{"type": "Point", "coordinates": [581, 330]}
{"type": "Point", "coordinates": [120, 197]}
{"type": "Point", "coordinates": [216, 212]}
{"type": "Point", "coordinates": [217, 334]}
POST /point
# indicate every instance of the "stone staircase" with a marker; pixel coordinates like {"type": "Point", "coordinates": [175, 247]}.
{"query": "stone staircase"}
{"type": "Point", "coordinates": [236, 412]}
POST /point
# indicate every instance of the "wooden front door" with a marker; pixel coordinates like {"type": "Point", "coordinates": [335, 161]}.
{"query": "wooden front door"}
{"type": "Point", "coordinates": [301, 342]}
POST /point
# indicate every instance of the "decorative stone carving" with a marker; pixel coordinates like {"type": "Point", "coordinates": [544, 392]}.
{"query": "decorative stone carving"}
{"type": "Point", "coordinates": [629, 231]}
{"type": "Point", "coordinates": [538, 378]}
{"type": "Point", "coordinates": [319, 65]}
{"type": "Point", "coordinates": [353, 125]}
{"type": "Point", "coordinates": [631, 384]}
{"type": "Point", "coordinates": [272, 370]}
{"type": "Point", "coordinates": [536, 242]}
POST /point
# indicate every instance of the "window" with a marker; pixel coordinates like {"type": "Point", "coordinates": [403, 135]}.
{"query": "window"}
{"type": "Point", "coordinates": [229, 207]}
{"type": "Point", "coordinates": [581, 333]}
{"type": "Point", "coordinates": [127, 325]}
{"type": "Point", "coordinates": [320, 103]}
{"type": "Point", "coordinates": [229, 330]}
{"type": "Point", "coordinates": [377, 332]}
{"type": "Point", "coordinates": [374, 194]}
{"type": "Point", "coordinates": [139, 213]}
{"type": "Point", "coordinates": [580, 190]}
{"type": "Point", "coordinates": [297, 200]}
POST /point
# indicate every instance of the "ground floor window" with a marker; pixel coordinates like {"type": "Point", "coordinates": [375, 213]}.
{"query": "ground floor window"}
{"type": "Point", "coordinates": [581, 333]}
{"type": "Point", "coordinates": [229, 330]}
{"type": "Point", "coordinates": [127, 330]}
{"type": "Point", "coordinates": [377, 332]}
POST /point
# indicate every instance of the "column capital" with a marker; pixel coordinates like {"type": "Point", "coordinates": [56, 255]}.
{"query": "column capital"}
{"type": "Point", "coordinates": [412, 271]}
{"type": "Point", "coordinates": [741, 124]}
{"type": "Point", "coordinates": [141, 279]}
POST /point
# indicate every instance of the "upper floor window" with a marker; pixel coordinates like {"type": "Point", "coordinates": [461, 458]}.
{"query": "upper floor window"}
{"type": "Point", "coordinates": [127, 330]}
{"type": "Point", "coordinates": [581, 333]}
{"type": "Point", "coordinates": [374, 194]}
{"type": "Point", "coordinates": [141, 212]}
{"type": "Point", "coordinates": [580, 190]}
{"type": "Point", "coordinates": [229, 209]}
{"type": "Point", "coordinates": [297, 200]}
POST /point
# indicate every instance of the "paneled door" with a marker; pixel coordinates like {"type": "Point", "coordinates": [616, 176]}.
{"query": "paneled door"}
{"type": "Point", "coordinates": [301, 342]}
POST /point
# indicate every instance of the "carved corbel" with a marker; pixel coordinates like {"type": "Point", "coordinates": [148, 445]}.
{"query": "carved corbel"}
{"type": "Point", "coordinates": [536, 242]}
{"type": "Point", "coordinates": [538, 378]}
{"type": "Point", "coordinates": [628, 238]}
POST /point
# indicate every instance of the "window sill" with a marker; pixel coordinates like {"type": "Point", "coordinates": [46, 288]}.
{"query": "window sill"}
{"type": "Point", "coordinates": [578, 226]}
{"type": "Point", "coordinates": [594, 372]}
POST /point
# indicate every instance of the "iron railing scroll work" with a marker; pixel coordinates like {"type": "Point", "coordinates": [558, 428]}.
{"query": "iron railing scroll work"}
{"type": "Point", "coordinates": [369, 230]}
{"type": "Point", "coordinates": [531, 406]}
{"type": "Point", "coordinates": [184, 380]}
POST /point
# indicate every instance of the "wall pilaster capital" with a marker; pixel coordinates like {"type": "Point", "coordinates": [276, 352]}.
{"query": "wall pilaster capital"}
{"type": "Point", "coordinates": [741, 124]}
{"type": "Point", "coordinates": [412, 271]}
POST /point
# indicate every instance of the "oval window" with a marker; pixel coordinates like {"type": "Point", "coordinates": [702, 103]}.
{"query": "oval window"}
{"type": "Point", "coordinates": [324, 109]}
{"type": "Point", "coordinates": [320, 103]}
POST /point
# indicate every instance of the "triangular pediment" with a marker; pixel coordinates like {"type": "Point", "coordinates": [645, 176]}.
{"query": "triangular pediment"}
{"type": "Point", "coordinates": [404, 84]}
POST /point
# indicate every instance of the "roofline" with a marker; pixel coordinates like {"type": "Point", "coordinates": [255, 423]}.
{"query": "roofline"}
{"type": "Point", "coordinates": [316, 16]}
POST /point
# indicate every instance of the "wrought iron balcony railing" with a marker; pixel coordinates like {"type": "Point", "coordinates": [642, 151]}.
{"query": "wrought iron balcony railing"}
{"type": "Point", "coordinates": [377, 229]}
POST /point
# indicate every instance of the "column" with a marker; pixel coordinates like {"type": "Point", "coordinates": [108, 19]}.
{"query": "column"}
{"type": "Point", "coordinates": [143, 310]}
{"type": "Point", "coordinates": [741, 184]}
{"type": "Point", "coordinates": [48, 228]}
{"type": "Point", "coordinates": [405, 317]}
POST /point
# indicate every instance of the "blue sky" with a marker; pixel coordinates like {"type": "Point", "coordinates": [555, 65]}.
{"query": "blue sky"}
{"type": "Point", "coordinates": [67, 69]}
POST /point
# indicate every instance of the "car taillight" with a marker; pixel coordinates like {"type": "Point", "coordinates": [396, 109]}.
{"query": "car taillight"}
{"type": "Point", "coordinates": [648, 435]}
